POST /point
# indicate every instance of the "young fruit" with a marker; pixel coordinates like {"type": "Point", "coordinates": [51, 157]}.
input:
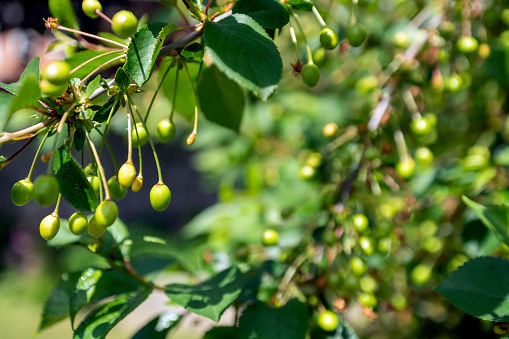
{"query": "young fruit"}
{"type": "Point", "coordinates": [367, 245]}
{"type": "Point", "coordinates": [420, 274]}
{"type": "Point", "coordinates": [90, 169]}
{"type": "Point", "coordinates": [359, 267]}
{"type": "Point", "coordinates": [360, 222]}
{"type": "Point", "coordinates": [139, 135]}
{"type": "Point", "coordinates": [454, 83]}
{"type": "Point", "coordinates": [270, 237]}
{"type": "Point", "coordinates": [137, 184]}
{"type": "Point", "coordinates": [95, 183]}
{"type": "Point", "coordinates": [94, 229]}
{"type": "Point", "coordinates": [405, 167]}
{"type": "Point", "coordinates": [56, 72]}
{"type": "Point", "coordinates": [420, 126]}
{"type": "Point", "coordinates": [117, 191]}
{"type": "Point", "coordinates": [165, 130]}
{"type": "Point", "coordinates": [124, 24]}
{"type": "Point", "coordinates": [51, 89]}
{"type": "Point", "coordinates": [356, 35]}
{"type": "Point", "coordinates": [368, 284]}
{"type": "Point", "coordinates": [424, 156]}
{"type": "Point", "coordinates": [314, 160]}
{"type": "Point", "coordinates": [49, 227]}
{"type": "Point", "coordinates": [46, 188]}
{"type": "Point", "coordinates": [22, 192]}
{"type": "Point", "coordinates": [400, 39]}
{"type": "Point", "coordinates": [399, 301]}
{"type": "Point", "coordinates": [78, 223]}
{"type": "Point", "coordinates": [367, 299]}
{"type": "Point", "coordinates": [467, 44]}
{"type": "Point", "coordinates": [310, 74]}
{"type": "Point", "coordinates": [328, 38]}
{"type": "Point", "coordinates": [328, 321]}
{"type": "Point", "coordinates": [106, 213]}
{"type": "Point", "coordinates": [89, 7]}
{"type": "Point", "coordinates": [126, 174]}
{"type": "Point", "coordinates": [160, 197]}
{"type": "Point", "coordinates": [330, 129]}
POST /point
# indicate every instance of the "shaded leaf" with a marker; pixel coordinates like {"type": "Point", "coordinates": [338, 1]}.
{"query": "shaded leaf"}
{"type": "Point", "coordinates": [122, 80]}
{"type": "Point", "coordinates": [31, 69]}
{"type": "Point", "coordinates": [74, 185]}
{"type": "Point", "coordinates": [210, 298]}
{"type": "Point", "coordinates": [194, 50]}
{"type": "Point", "coordinates": [158, 327]}
{"type": "Point", "coordinates": [99, 322]}
{"type": "Point", "coordinates": [64, 12]}
{"type": "Point", "coordinates": [5, 103]}
{"type": "Point", "coordinates": [103, 112]}
{"type": "Point", "coordinates": [303, 5]}
{"type": "Point", "coordinates": [144, 49]}
{"type": "Point", "coordinates": [496, 218]}
{"type": "Point", "coordinates": [222, 332]}
{"type": "Point", "coordinates": [287, 322]}
{"type": "Point", "coordinates": [56, 308]}
{"type": "Point", "coordinates": [267, 13]}
{"type": "Point", "coordinates": [221, 99]}
{"type": "Point", "coordinates": [479, 287]}
{"type": "Point", "coordinates": [243, 51]}
{"type": "Point", "coordinates": [79, 139]}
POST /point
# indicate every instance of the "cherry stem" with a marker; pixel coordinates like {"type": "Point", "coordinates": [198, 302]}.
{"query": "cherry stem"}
{"type": "Point", "coordinates": [207, 8]}
{"type": "Point", "coordinates": [104, 16]}
{"type": "Point", "coordinates": [399, 139]}
{"type": "Point", "coordinates": [195, 129]}
{"type": "Point", "coordinates": [105, 142]}
{"type": "Point", "coordinates": [319, 17]}
{"type": "Point", "coordinates": [99, 166]}
{"type": "Point", "coordinates": [92, 59]}
{"type": "Point", "coordinates": [173, 103]}
{"type": "Point", "coordinates": [57, 207]}
{"type": "Point", "coordinates": [103, 65]}
{"type": "Point", "coordinates": [18, 152]}
{"type": "Point", "coordinates": [409, 101]}
{"type": "Point", "coordinates": [157, 91]}
{"type": "Point", "coordinates": [29, 177]}
{"type": "Point", "coordinates": [59, 130]}
{"type": "Point", "coordinates": [34, 128]}
{"type": "Point", "coordinates": [63, 28]}
{"type": "Point", "coordinates": [309, 55]}
{"type": "Point", "coordinates": [129, 133]}
{"type": "Point", "coordinates": [181, 13]}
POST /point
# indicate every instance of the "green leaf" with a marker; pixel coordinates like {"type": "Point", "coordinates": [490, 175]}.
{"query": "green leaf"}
{"type": "Point", "coordinates": [267, 13]}
{"type": "Point", "coordinates": [114, 236]}
{"type": "Point", "coordinates": [31, 69]}
{"type": "Point", "coordinates": [122, 80]}
{"type": "Point", "coordinates": [194, 50]}
{"type": "Point", "coordinates": [74, 185]}
{"type": "Point", "coordinates": [5, 103]}
{"type": "Point", "coordinates": [479, 287]}
{"type": "Point", "coordinates": [103, 112]}
{"type": "Point", "coordinates": [80, 58]}
{"type": "Point", "coordinates": [64, 12]}
{"type": "Point", "coordinates": [303, 5]}
{"type": "Point", "coordinates": [56, 307]}
{"type": "Point", "coordinates": [92, 86]}
{"type": "Point", "coordinates": [221, 99]}
{"type": "Point", "coordinates": [210, 298]}
{"type": "Point", "coordinates": [496, 218]}
{"type": "Point", "coordinates": [94, 285]}
{"type": "Point", "coordinates": [99, 322]}
{"type": "Point", "coordinates": [79, 139]}
{"type": "Point", "coordinates": [288, 322]}
{"type": "Point", "coordinates": [144, 49]}
{"type": "Point", "coordinates": [222, 332]}
{"type": "Point", "coordinates": [158, 327]}
{"type": "Point", "coordinates": [184, 102]}
{"type": "Point", "coordinates": [243, 51]}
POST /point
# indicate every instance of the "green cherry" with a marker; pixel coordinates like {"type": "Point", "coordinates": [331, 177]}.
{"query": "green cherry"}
{"type": "Point", "coordinates": [467, 44]}
{"type": "Point", "coordinates": [356, 35]}
{"type": "Point", "coordinates": [270, 237]}
{"type": "Point", "coordinates": [160, 197]}
{"type": "Point", "coordinates": [49, 227]}
{"type": "Point", "coordinates": [310, 74]}
{"type": "Point", "coordinates": [126, 174]}
{"type": "Point", "coordinates": [421, 274]}
{"type": "Point", "coordinates": [139, 134]}
{"type": "Point", "coordinates": [78, 223]}
{"type": "Point", "coordinates": [89, 7]}
{"type": "Point", "coordinates": [165, 130]}
{"type": "Point", "coordinates": [124, 24]}
{"type": "Point", "coordinates": [405, 167]}
{"type": "Point", "coordinates": [46, 189]}
{"type": "Point", "coordinates": [22, 192]}
{"type": "Point", "coordinates": [94, 229]}
{"type": "Point", "coordinates": [56, 72]}
{"type": "Point", "coordinates": [360, 222]}
{"type": "Point", "coordinates": [51, 89]}
{"type": "Point", "coordinates": [117, 191]}
{"type": "Point", "coordinates": [328, 321]}
{"type": "Point", "coordinates": [328, 38]}
{"type": "Point", "coordinates": [420, 126]}
{"type": "Point", "coordinates": [106, 213]}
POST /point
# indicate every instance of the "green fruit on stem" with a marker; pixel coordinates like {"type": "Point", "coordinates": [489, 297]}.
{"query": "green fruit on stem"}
{"type": "Point", "coordinates": [89, 7]}
{"type": "Point", "coordinates": [314, 160]}
{"type": "Point", "coordinates": [356, 35]}
{"type": "Point", "coordinates": [165, 130]}
{"type": "Point", "coordinates": [117, 191]}
{"type": "Point", "coordinates": [51, 89]}
{"type": "Point", "coordinates": [310, 74]}
{"type": "Point", "coordinates": [421, 274]}
{"type": "Point", "coordinates": [126, 174]}
{"type": "Point", "coordinates": [106, 213]}
{"type": "Point", "coordinates": [270, 237]}
{"type": "Point", "coordinates": [90, 170]}
{"type": "Point", "coordinates": [328, 38]}
{"type": "Point", "coordinates": [454, 83]}
{"type": "Point", "coordinates": [358, 266]}
{"type": "Point", "coordinates": [467, 44]}
{"type": "Point", "coordinates": [399, 301]}
{"type": "Point", "coordinates": [400, 39]}
{"type": "Point", "coordinates": [139, 135]}
{"type": "Point", "coordinates": [424, 156]}
{"type": "Point", "coordinates": [307, 172]}
{"type": "Point", "coordinates": [328, 321]}
{"type": "Point", "coordinates": [360, 222]}
{"type": "Point", "coordinates": [46, 189]}
{"type": "Point", "coordinates": [368, 284]}
{"type": "Point", "coordinates": [78, 223]}
{"type": "Point", "coordinates": [49, 227]}
{"type": "Point", "coordinates": [137, 184]}
{"type": "Point", "coordinates": [95, 183]}
{"type": "Point", "coordinates": [57, 72]}
{"type": "Point", "coordinates": [367, 299]}
{"type": "Point", "coordinates": [405, 167]}
{"type": "Point", "coordinates": [160, 197]}
{"type": "Point", "coordinates": [367, 245]}
{"type": "Point", "coordinates": [420, 126]}
{"type": "Point", "coordinates": [22, 192]}
{"type": "Point", "coordinates": [124, 24]}
{"type": "Point", "coordinates": [330, 129]}
{"type": "Point", "coordinates": [94, 229]}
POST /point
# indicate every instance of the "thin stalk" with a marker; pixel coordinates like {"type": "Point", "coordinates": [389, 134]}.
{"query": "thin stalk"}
{"type": "Point", "coordinates": [174, 92]}
{"type": "Point", "coordinates": [319, 17]}
{"type": "Point", "coordinates": [18, 152]}
{"type": "Point", "coordinates": [92, 36]}
{"type": "Point", "coordinates": [98, 68]}
{"type": "Point", "coordinates": [353, 14]}
{"type": "Point", "coordinates": [309, 55]}
{"type": "Point", "coordinates": [104, 16]}
{"type": "Point", "coordinates": [92, 59]}
{"type": "Point", "coordinates": [131, 102]}
{"type": "Point", "coordinates": [57, 207]}
{"type": "Point", "coordinates": [207, 8]}
{"type": "Point", "coordinates": [192, 136]}
{"type": "Point", "coordinates": [157, 90]}
{"type": "Point", "coordinates": [99, 166]}
{"type": "Point", "coordinates": [105, 142]}
{"type": "Point", "coordinates": [59, 130]}
{"type": "Point", "coordinates": [107, 126]}
{"type": "Point", "coordinates": [399, 139]}
{"type": "Point", "coordinates": [34, 128]}
{"type": "Point", "coordinates": [129, 133]}
{"type": "Point", "coordinates": [29, 177]}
